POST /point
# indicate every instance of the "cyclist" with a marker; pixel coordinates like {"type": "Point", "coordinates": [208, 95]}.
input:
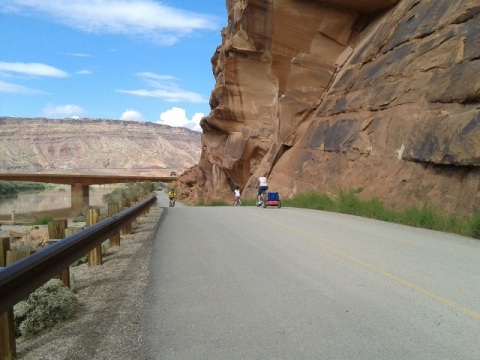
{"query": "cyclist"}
{"type": "Point", "coordinates": [172, 196]}
{"type": "Point", "coordinates": [262, 187]}
{"type": "Point", "coordinates": [236, 196]}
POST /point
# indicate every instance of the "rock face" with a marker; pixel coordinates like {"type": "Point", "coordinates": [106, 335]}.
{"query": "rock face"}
{"type": "Point", "coordinates": [329, 95]}
{"type": "Point", "coordinates": [95, 146]}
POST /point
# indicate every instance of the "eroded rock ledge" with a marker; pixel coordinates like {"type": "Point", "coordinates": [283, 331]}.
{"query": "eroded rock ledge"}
{"type": "Point", "coordinates": [329, 95]}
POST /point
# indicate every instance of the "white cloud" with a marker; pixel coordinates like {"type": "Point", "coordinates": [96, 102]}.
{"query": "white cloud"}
{"type": "Point", "coordinates": [32, 69]}
{"type": "Point", "coordinates": [177, 117]}
{"type": "Point", "coordinates": [165, 87]}
{"type": "Point", "coordinates": [80, 55]}
{"type": "Point", "coordinates": [62, 111]}
{"type": "Point", "coordinates": [146, 18]}
{"type": "Point", "coordinates": [132, 115]}
{"type": "Point", "coordinates": [84, 72]}
{"type": "Point", "coordinates": [9, 88]}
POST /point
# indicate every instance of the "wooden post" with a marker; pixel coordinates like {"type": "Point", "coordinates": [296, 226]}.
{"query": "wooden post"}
{"type": "Point", "coordinates": [8, 348]}
{"type": "Point", "coordinates": [71, 230]}
{"type": "Point", "coordinates": [4, 247]}
{"type": "Point", "coordinates": [126, 203]}
{"type": "Point", "coordinates": [127, 230]}
{"type": "Point", "coordinates": [56, 230]}
{"type": "Point", "coordinates": [95, 255]}
{"type": "Point", "coordinates": [15, 255]}
{"type": "Point", "coordinates": [113, 208]}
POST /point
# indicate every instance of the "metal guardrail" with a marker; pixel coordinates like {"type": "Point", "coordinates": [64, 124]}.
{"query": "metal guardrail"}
{"type": "Point", "coordinates": [23, 277]}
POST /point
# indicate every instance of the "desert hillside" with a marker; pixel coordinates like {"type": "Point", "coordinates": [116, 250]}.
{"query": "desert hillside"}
{"type": "Point", "coordinates": [95, 146]}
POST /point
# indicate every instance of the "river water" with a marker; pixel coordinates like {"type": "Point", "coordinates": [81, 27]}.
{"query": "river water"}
{"type": "Point", "coordinates": [49, 200]}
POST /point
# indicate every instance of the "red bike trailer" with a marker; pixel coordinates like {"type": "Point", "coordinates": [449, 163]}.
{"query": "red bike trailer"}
{"type": "Point", "coordinates": [273, 199]}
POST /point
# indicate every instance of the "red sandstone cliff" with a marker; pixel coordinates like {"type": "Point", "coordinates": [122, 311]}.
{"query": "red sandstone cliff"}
{"type": "Point", "coordinates": [382, 95]}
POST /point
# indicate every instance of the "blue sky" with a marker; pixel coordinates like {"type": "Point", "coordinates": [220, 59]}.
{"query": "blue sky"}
{"type": "Point", "coordinates": [142, 60]}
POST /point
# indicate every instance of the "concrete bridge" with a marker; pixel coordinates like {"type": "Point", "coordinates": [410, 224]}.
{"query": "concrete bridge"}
{"type": "Point", "coordinates": [80, 183]}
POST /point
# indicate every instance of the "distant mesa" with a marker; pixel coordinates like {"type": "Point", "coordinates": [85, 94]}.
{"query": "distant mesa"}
{"type": "Point", "coordinates": [95, 146]}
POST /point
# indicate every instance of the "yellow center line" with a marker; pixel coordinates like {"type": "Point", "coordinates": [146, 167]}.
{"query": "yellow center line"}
{"type": "Point", "coordinates": [467, 311]}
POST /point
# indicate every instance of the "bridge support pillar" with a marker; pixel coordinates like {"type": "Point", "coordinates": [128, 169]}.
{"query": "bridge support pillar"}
{"type": "Point", "coordinates": [80, 194]}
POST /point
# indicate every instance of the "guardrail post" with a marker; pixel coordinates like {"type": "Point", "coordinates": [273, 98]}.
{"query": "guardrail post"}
{"type": "Point", "coordinates": [127, 230]}
{"type": "Point", "coordinates": [71, 230]}
{"type": "Point", "coordinates": [95, 255]}
{"type": "Point", "coordinates": [4, 247]}
{"type": "Point", "coordinates": [56, 230]}
{"type": "Point", "coordinates": [15, 255]}
{"type": "Point", "coordinates": [114, 208]}
{"type": "Point", "coordinates": [8, 349]}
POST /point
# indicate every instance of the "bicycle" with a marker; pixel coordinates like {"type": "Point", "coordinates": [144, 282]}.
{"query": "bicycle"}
{"type": "Point", "coordinates": [237, 201]}
{"type": "Point", "coordinates": [263, 199]}
{"type": "Point", "coordinates": [172, 202]}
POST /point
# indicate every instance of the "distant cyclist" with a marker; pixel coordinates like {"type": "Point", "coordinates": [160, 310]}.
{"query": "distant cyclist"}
{"type": "Point", "coordinates": [236, 196]}
{"type": "Point", "coordinates": [172, 195]}
{"type": "Point", "coordinates": [262, 186]}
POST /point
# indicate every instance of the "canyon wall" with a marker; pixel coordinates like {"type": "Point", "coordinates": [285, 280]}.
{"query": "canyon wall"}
{"type": "Point", "coordinates": [97, 146]}
{"type": "Point", "coordinates": [377, 95]}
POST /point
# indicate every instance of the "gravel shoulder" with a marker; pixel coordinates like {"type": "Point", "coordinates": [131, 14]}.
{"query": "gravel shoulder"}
{"type": "Point", "coordinates": [110, 303]}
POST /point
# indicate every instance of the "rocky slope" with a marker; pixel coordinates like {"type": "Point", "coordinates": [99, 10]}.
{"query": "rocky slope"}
{"type": "Point", "coordinates": [95, 146]}
{"type": "Point", "coordinates": [328, 95]}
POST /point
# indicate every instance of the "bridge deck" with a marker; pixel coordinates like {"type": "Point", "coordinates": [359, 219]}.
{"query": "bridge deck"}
{"type": "Point", "coordinates": [72, 179]}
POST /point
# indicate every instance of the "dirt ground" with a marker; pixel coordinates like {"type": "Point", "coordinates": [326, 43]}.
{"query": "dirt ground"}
{"type": "Point", "coordinates": [107, 322]}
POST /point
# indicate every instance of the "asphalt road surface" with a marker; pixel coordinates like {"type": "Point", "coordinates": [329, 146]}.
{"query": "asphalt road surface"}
{"type": "Point", "coordinates": [253, 283]}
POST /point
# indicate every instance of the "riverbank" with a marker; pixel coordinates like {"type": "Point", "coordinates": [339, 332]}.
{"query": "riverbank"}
{"type": "Point", "coordinates": [56, 202]}
{"type": "Point", "coordinates": [24, 219]}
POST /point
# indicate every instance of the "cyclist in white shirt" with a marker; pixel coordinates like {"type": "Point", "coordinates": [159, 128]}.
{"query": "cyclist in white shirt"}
{"type": "Point", "coordinates": [262, 186]}
{"type": "Point", "coordinates": [236, 193]}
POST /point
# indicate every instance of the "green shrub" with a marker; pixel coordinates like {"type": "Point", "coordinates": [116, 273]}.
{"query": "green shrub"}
{"type": "Point", "coordinates": [413, 216]}
{"type": "Point", "coordinates": [200, 203]}
{"type": "Point", "coordinates": [349, 203]}
{"type": "Point", "coordinates": [311, 200]}
{"type": "Point", "coordinates": [249, 202]}
{"type": "Point", "coordinates": [375, 209]}
{"type": "Point", "coordinates": [211, 203]}
{"type": "Point", "coordinates": [453, 224]}
{"type": "Point", "coordinates": [127, 191]}
{"type": "Point", "coordinates": [44, 220]}
{"type": "Point", "coordinates": [475, 225]}
{"type": "Point", "coordinates": [217, 203]}
{"type": "Point", "coordinates": [8, 188]}
{"type": "Point", "coordinates": [44, 308]}
{"type": "Point", "coordinates": [14, 187]}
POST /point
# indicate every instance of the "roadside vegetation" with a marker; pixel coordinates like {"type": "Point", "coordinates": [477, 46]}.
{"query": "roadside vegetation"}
{"type": "Point", "coordinates": [43, 220]}
{"type": "Point", "coordinates": [212, 203]}
{"type": "Point", "coordinates": [47, 306]}
{"type": "Point", "coordinates": [348, 202]}
{"type": "Point", "coordinates": [130, 191]}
